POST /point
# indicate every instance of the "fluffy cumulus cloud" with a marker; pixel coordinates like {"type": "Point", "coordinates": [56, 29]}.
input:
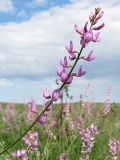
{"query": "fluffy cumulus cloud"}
{"type": "Point", "coordinates": [6, 5]}
{"type": "Point", "coordinates": [30, 51]}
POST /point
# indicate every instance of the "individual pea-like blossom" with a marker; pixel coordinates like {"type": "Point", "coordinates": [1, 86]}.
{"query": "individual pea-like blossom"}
{"type": "Point", "coordinates": [46, 94]}
{"type": "Point", "coordinates": [80, 72]}
{"type": "Point", "coordinates": [60, 69]}
{"type": "Point", "coordinates": [31, 140]}
{"type": "Point", "coordinates": [99, 26]}
{"type": "Point", "coordinates": [20, 154]}
{"type": "Point", "coordinates": [71, 51]}
{"type": "Point", "coordinates": [64, 63]}
{"type": "Point", "coordinates": [114, 148]}
{"type": "Point", "coordinates": [107, 104]}
{"type": "Point", "coordinates": [89, 57]}
{"type": "Point", "coordinates": [87, 137]}
{"type": "Point", "coordinates": [56, 95]}
{"type": "Point", "coordinates": [32, 105]}
{"type": "Point", "coordinates": [43, 118]}
{"type": "Point", "coordinates": [64, 76]}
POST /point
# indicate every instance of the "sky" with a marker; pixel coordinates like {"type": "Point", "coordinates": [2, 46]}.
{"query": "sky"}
{"type": "Point", "coordinates": [33, 35]}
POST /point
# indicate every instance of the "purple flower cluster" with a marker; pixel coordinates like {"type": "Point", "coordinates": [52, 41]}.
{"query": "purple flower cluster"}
{"type": "Point", "coordinates": [114, 148]}
{"type": "Point", "coordinates": [20, 154]}
{"type": "Point", "coordinates": [86, 33]}
{"type": "Point", "coordinates": [87, 137]}
{"type": "Point", "coordinates": [79, 123]}
{"type": "Point", "coordinates": [107, 103]}
{"type": "Point", "coordinates": [65, 69]}
{"type": "Point", "coordinates": [31, 140]}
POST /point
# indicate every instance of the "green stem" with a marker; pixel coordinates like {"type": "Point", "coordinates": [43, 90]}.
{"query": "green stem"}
{"type": "Point", "coordinates": [6, 151]}
{"type": "Point", "coordinates": [51, 101]}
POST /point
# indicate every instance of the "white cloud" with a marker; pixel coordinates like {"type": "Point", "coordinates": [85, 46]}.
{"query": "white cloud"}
{"type": "Point", "coordinates": [6, 5]}
{"type": "Point", "coordinates": [32, 49]}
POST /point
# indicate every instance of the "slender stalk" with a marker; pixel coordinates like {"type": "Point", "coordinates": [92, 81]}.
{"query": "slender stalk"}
{"type": "Point", "coordinates": [51, 101]}
{"type": "Point", "coordinates": [6, 151]}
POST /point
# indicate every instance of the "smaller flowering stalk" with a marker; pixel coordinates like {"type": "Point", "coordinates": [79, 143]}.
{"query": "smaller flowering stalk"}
{"type": "Point", "coordinates": [79, 123]}
{"type": "Point", "coordinates": [88, 101]}
{"type": "Point", "coordinates": [114, 148]}
{"type": "Point", "coordinates": [20, 154]}
{"type": "Point", "coordinates": [31, 140]}
{"type": "Point", "coordinates": [107, 104]}
{"type": "Point", "coordinates": [87, 137]}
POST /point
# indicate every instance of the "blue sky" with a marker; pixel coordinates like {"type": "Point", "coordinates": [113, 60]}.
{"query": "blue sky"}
{"type": "Point", "coordinates": [33, 34]}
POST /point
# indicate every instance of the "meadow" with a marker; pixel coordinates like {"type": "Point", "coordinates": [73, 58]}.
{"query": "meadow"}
{"type": "Point", "coordinates": [60, 136]}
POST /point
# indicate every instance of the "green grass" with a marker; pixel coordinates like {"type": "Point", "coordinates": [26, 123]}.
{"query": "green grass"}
{"type": "Point", "coordinates": [68, 143]}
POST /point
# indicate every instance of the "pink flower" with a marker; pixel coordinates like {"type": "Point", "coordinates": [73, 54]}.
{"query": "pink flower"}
{"type": "Point", "coordinates": [96, 37]}
{"type": "Point", "coordinates": [71, 51]}
{"type": "Point", "coordinates": [80, 73]}
{"type": "Point", "coordinates": [64, 76]}
{"type": "Point", "coordinates": [19, 153]}
{"type": "Point", "coordinates": [88, 36]}
{"type": "Point", "coordinates": [46, 94]}
{"type": "Point", "coordinates": [89, 57]}
{"type": "Point", "coordinates": [33, 106]}
{"type": "Point", "coordinates": [59, 70]}
{"type": "Point", "coordinates": [70, 48]}
{"type": "Point", "coordinates": [64, 63]}
{"type": "Point", "coordinates": [56, 95]}
{"type": "Point", "coordinates": [99, 27]}
{"type": "Point", "coordinates": [43, 118]}
{"type": "Point", "coordinates": [79, 30]}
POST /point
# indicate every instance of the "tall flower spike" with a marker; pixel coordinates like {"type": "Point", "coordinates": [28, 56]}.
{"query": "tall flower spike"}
{"type": "Point", "coordinates": [64, 63]}
{"type": "Point", "coordinates": [46, 94]}
{"type": "Point", "coordinates": [89, 57]}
